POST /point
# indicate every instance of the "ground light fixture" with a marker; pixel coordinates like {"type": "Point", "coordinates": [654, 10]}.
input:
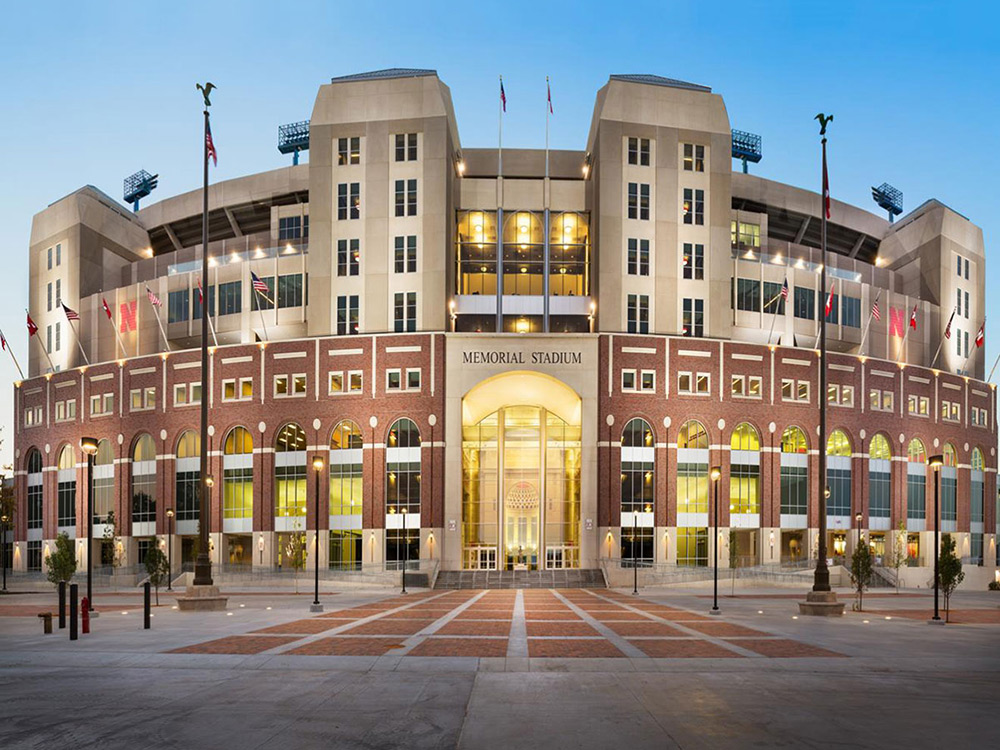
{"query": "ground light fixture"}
{"type": "Point", "coordinates": [936, 462]}
{"type": "Point", "coordinates": [89, 446]}
{"type": "Point", "coordinates": [716, 474]}
{"type": "Point", "coordinates": [318, 468]}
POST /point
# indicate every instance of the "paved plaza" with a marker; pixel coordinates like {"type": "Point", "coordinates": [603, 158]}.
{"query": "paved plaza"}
{"type": "Point", "coordinates": [573, 668]}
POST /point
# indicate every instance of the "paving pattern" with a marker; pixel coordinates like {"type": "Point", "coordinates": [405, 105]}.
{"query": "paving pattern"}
{"type": "Point", "coordinates": [537, 624]}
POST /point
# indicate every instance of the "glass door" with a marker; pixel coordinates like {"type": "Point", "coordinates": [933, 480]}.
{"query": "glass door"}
{"type": "Point", "coordinates": [522, 475]}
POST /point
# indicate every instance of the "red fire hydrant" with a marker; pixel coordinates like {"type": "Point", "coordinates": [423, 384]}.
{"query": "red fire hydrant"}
{"type": "Point", "coordinates": [85, 615]}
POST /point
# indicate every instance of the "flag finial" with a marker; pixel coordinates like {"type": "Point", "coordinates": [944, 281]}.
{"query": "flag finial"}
{"type": "Point", "coordinates": [824, 120]}
{"type": "Point", "coordinates": [206, 91]}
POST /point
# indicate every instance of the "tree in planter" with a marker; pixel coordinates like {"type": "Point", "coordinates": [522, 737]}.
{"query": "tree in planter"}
{"type": "Point", "coordinates": [861, 573]}
{"type": "Point", "coordinates": [113, 535]}
{"type": "Point", "coordinates": [897, 555]}
{"type": "Point", "coordinates": [734, 561]}
{"type": "Point", "coordinates": [950, 573]}
{"type": "Point", "coordinates": [60, 565]}
{"type": "Point", "coordinates": [295, 549]}
{"type": "Point", "coordinates": [158, 569]}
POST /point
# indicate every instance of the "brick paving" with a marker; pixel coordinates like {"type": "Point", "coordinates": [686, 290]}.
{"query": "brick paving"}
{"type": "Point", "coordinates": [564, 624]}
{"type": "Point", "coordinates": [956, 617]}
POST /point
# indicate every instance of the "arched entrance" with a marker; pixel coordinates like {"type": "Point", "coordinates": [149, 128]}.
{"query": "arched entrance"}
{"type": "Point", "coordinates": [521, 441]}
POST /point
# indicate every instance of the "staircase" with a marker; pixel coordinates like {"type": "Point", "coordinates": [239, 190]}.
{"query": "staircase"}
{"type": "Point", "coordinates": [521, 579]}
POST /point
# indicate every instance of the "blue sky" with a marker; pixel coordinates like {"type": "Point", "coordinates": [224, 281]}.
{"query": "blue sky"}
{"type": "Point", "coordinates": [93, 93]}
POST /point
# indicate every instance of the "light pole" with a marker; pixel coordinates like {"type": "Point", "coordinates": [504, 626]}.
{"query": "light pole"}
{"type": "Point", "coordinates": [89, 446]}
{"type": "Point", "coordinates": [635, 561]}
{"type": "Point", "coordinates": [858, 517]}
{"type": "Point", "coordinates": [406, 548]}
{"type": "Point", "coordinates": [936, 463]}
{"type": "Point", "coordinates": [716, 475]}
{"type": "Point", "coordinates": [170, 547]}
{"type": "Point", "coordinates": [209, 484]}
{"type": "Point", "coordinates": [3, 530]}
{"type": "Point", "coordinates": [318, 466]}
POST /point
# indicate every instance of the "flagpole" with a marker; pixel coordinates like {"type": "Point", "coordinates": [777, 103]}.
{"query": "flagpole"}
{"type": "Point", "coordinates": [159, 322]}
{"type": "Point", "coordinates": [260, 309]}
{"type": "Point", "coordinates": [941, 342]}
{"type": "Point", "coordinates": [547, 100]}
{"type": "Point", "coordinates": [821, 576]}
{"type": "Point", "coordinates": [906, 335]}
{"type": "Point", "coordinates": [111, 320]}
{"type": "Point", "coordinates": [992, 369]}
{"type": "Point", "coordinates": [774, 317]}
{"type": "Point", "coordinates": [45, 351]}
{"type": "Point", "coordinates": [500, 132]}
{"type": "Point", "coordinates": [10, 351]}
{"type": "Point", "coordinates": [973, 351]}
{"type": "Point", "coordinates": [864, 336]}
{"type": "Point", "coordinates": [78, 342]}
{"type": "Point", "coordinates": [203, 563]}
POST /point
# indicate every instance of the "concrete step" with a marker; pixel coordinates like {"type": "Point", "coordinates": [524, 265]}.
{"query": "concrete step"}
{"type": "Point", "coordinates": [520, 579]}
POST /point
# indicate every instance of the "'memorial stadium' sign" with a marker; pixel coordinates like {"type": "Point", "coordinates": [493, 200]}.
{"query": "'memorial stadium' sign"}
{"type": "Point", "coordinates": [521, 358]}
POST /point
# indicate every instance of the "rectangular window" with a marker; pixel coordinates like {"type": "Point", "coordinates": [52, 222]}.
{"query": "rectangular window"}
{"type": "Point", "coordinates": [230, 297]}
{"type": "Point", "coordinates": [839, 502]}
{"type": "Point", "coordinates": [50, 259]}
{"type": "Point", "coordinates": [413, 379]}
{"type": "Point", "coordinates": [290, 227]}
{"type": "Point", "coordinates": [348, 257]}
{"type": "Point", "coordinates": [336, 383]}
{"type": "Point", "coordinates": [693, 264]}
{"type": "Point", "coordinates": [345, 549]}
{"type": "Point", "coordinates": [406, 197]}
{"type": "Point", "coordinates": [58, 336]}
{"type": "Point", "coordinates": [393, 380]}
{"type": "Point", "coordinates": [348, 201]}
{"type": "Point", "coordinates": [851, 311]}
{"type": "Point", "coordinates": [638, 257]}
{"type": "Point", "coordinates": [748, 295]}
{"type": "Point", "coordinates": [694, 158]}
{"type": "Point", "coordinates": [694, 206]}
{"type": "Point", "coordinates": [692, 546]}
{"type": "Point", "coordinates": [406, 147]}
{"type": "Point", "coordinates": [290, 290]}
{"type": "Point", "coordinates": [58, 254]}
{"type": "Point", "coordinates": [180, 394]}
{"type": "Point", "coordinates": [693, 314]}
{"type": "Point", "coordinates": [774, 303]}
{"type": "Point", "coordinates": [59, 297]}
{"type": "Point", "coordinates": [348, 151]}
{"type": "Point", "coordinates": [638, 201]}
{"type": "Point", "coordinates": [48, 293]}
{"type": "Point", "coordinates": [355, 381]}
{"type": "Point", "coordinates": [142, 399]}
{"type": "Point", "coordinates": [958, 259]}
{"type": "Point", "coordinates": [628, 380]}
{"type": "Point", "coordinates": [405, 311]}
{"type": "Point", "coordinates": [638, 313]}
{"type": "Point", "coordinates": [406, 254]}
{"type": "Point", "coordinates": [647, 381]}
{"type": "Point", "coordinates": [964, 294]}
{"type": "Point", "coordinates": [178, 306]}
{"type": "Point", "coordinates": [347, 315]}
{"type": "Point", "coordinates": [794, 490]}
{"type": "Point", "coordinates": [916, 488]}
{"type": "Point", "coordinates": [638, 151]}
{"type": "Point", "coordinates": [805, 303]}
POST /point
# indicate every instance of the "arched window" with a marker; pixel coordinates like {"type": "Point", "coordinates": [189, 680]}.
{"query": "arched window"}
{"type": "Point", "coordinates": [949, 488]}
{"type": "Point", "coordinates": [402, 481]}
{"type": "Point", "coordinates": [976, 510]}
{"type": "Point", "coordinates": [794, 478]}
{"type": "Point", "coordinates": [346, 495]}
{"type": "Point", "coordinates": [35, 483]}
{"type": "Point", "coordinates": [744, 470]}
{"type": "Point", "coordinates": [838, 475]}
{"type": "Point", "coordinates": [692, 473]}
{"type": "Point", "coordinates": [104, 484]}
{"type": "Point", "coordinates": [187, 481]}
{"type": "Point", "coordinates": [144, 486]}
{"type": "Point", "coordinates": [290, 473]}
{"type": "Point", "coordinates": [66, 491]}
{"type": "Point", "coordinates": [916, 486]}
{"type": "Point", "coordinates": [879, 477]}
{"type": "Point", "coordinates": [237, 481]}
{"type": "Point", "coordinates": [637, 467]}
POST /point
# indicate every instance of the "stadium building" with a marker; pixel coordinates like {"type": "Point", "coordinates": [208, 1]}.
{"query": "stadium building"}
{"type": "Point", "coordinates": [508, 359]}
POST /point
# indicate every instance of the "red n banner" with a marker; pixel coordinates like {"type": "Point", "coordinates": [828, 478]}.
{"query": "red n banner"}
{"type": "Point", "coordinates": [127, 322]}
{"type": "Point", "coordinates": [897, 322]}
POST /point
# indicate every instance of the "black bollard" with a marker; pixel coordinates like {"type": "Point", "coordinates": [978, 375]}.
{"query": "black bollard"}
{"type": "Point", "coordinates": [145, 606]}
{"type": "Point", "coordinates": [72, 611]}
{"type": "Point", "coordinates": [62, 604]}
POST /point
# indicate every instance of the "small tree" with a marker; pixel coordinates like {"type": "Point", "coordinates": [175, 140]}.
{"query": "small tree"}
{"type": "Point", "coordinates": [295, 554]}
{"type": "Point", "coordinates": [897, 554]}
{"type": "Point", "coordinates": [113, 535]}
{"type": "Point", "coordinates": [734, 560]}
{"type": "Point", "coordinates": [861, 572]}
{"type": "Point", "coordinates": [158, 569]}
{"type": "Point", "coordinates": [61, 564]}
{"type": "Point", "coordinates": [950, 573]}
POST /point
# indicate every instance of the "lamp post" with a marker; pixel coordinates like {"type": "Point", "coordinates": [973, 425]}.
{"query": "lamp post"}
{"type": "Point", "coordinates": [936, 463]}
{"type": "Point", "coordinates": [406, 548]}
{"type": "Point", "coordinates": [858, 517]}
{"type": "Point", "coordinates": [716, 474]}
{"type": "Point", "coordinates": [3, 530]}
{"type": "Point", "coordinates": [318, 466]}
{"type": "Point", "coordinates": [635, 561]}
{"type": "Point", "coordinates": [170, 547]}
{"type": "Point", "coordinates": [89, 446]}
{"type": "Point", "coordinates": [209, 484]}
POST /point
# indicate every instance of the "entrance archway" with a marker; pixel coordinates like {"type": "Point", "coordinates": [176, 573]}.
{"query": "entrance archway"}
{"type": "Point", "coordinates": [521, 464]}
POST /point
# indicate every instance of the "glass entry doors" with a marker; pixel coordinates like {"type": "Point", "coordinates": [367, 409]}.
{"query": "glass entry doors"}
{"type": "Point", "coordinates": [521, 491]}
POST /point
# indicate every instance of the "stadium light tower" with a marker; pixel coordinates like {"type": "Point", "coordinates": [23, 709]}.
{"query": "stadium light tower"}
{"type": "Point", "coordinates": [889, 198]}
{"type": "Point", "coordinates": [293, 138]}
{"type": "Point", "coordinates": [139, 185]}
{"type": "Point", "coordinates": [746, 147]}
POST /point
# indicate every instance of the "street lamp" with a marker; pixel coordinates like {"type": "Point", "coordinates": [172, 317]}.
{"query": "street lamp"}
{"type": "Point", "coordinates": [209, 484]}
{"type": "Point", "coordinates": [936, 462]}
{"type": "Point", "coordinates": [3, 529]}
{"type": "Point", "coordinates": [170, 547]}
{"type": "Point", "coordinates": [406, 548]}
{"type": "Point", "coordinates": [89, 446]}
{"type": "Point", "coordinates": [318, 466]}
{"type": "Point", "coordinates": [716, 475]}
{"type": "Point", "coordinates": [858, 517]}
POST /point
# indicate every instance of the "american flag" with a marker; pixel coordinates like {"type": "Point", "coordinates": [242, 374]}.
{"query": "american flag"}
{"type": "Point", "coordinates": [107, 309]}
{"type": "Point", "coordinates": [981, 335]}
{"type": "Point", "coordinates": [153, 299]}
{"type": "Point", "coordinates": [210, 146]}
{"type": "Point", "coordinates": [784, 289]}
{"type": "Point", "coordinates": [71, 314]}
{"type": "Point", "coordinates": [876, 313]}
{"type": "Point", "coordinates": [947, 328]}
{"type": "Point", "coordinates": [258, 284]}
{"type": "Point", "coordinates": [32, 328]}
{"type": "Point", "coordinates": [503, 96]}
{"type": "Point", "coordinates": [549, 90]}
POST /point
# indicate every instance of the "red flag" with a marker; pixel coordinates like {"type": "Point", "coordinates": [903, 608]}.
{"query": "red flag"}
{"type": "Point", "coordinates": [201, 297]}
{"type": "Point", "coordinates": [548, 89]}
{"type": "Point", "coordinates": [107, 308]}
{"type": "Point", "coordinates": [826, 183]}
{"type": "Point", "coordinates": [503, 96]}
{"type": "Point", "coordinates": [981, 336]}
{"type": "Point", "coordinates": [210, 145]}
{"type": "Point", "coordinates": [3, 341]}
{"type": "Point", "coordinates": [32, 328]}
{"type": "Point", "coordinates": [913, 318]}
{"type": "Point", "coordinates": [829, 301]}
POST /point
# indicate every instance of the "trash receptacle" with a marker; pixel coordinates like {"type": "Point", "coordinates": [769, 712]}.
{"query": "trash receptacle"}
{"type": "Point", "coordinates": [46, 618]}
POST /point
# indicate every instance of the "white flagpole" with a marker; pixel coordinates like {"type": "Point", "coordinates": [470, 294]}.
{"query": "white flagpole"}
{"type": "Point", "coordinates": [826, 296]}
{"type": "Point", "coordinates": [114, 328]}
{"type": "Point", "coordinates": [204, 311]}
{"type": "Point", "coordinates": [941, 342]}
{"type": "Point", "coordinates": [500, 133]}
{"type": "Point", "coordinates": [78, 342]}
{"type": "Point", "coordinates": [159, 322]}
{"type": "Point", "coordinates": [547, 126]}
{"type": "Point", "coordinates": [260, 308]}
{"type": "Point", "coordinates": [992, 369]}
{"type": "Point", "coordinates": [10, 351]}
{"type": "Point", "coordinates": [774, 317]}
{"type": "Point", "coordinates": [906, 335]}
{"type": "Point", "coordinates": [45, 351]}
{"type": "Point", "coordinates": [871, 317]}
{"type": "Point", "coordinates": [972, 352]}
